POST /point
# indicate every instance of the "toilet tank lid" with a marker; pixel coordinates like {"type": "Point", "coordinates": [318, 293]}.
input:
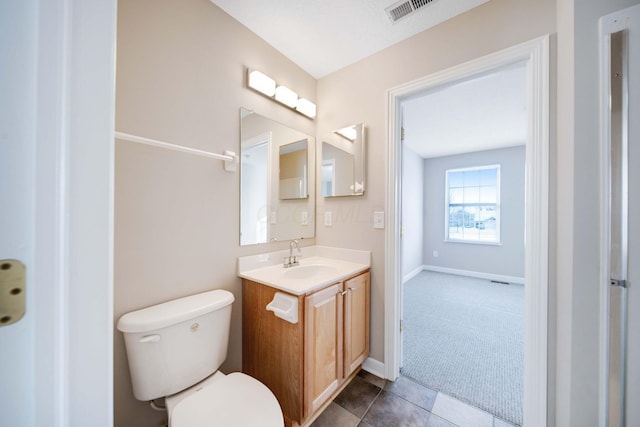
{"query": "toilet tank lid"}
{"type": "Point", "coordinates": [174, 311]}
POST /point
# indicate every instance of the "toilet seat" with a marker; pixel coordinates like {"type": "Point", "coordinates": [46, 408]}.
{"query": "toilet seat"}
{"type": "Point", "coordinates": [235, 400]}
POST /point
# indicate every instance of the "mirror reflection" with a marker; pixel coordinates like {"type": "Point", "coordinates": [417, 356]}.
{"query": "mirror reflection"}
{"type": "Point", "coordinates": [343, 162]}
{"type": "Point", "coordinates": [277, 199]}
{"type": "Point", "coordinates": [293, 170]}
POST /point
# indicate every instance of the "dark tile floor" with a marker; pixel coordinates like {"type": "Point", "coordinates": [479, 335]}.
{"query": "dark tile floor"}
{"type": "Point", "coordinates": [370, 401]}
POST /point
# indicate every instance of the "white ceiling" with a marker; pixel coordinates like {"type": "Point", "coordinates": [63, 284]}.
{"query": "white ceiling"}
{"type": "Point", "coordinates": [323, 36]}
{"type": "Point", "coordinates": [480, 114]}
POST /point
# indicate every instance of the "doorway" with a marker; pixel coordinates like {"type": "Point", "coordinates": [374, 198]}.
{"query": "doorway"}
{"type": "Point", "coordinates": [462, 249]}
{"type": "Point", "coordinates": [534, 55]}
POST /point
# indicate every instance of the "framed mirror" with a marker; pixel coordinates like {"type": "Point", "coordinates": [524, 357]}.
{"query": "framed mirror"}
{"type": "Point", "coordinates": [277, 192]}
{"type": "Point", "coordinates": [343, 162]}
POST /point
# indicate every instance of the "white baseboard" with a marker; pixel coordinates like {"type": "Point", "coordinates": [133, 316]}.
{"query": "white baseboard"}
{"type": "Point", "coordinates": [412, 274]}
{"type": "Point", "coordinates": [488, 276]}
{"type": "Point", "coordinates": [374, 367]}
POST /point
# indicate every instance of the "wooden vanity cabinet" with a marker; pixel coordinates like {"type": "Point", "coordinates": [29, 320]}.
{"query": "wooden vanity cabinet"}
{"type": "Point", "coordinates": [307, 363]}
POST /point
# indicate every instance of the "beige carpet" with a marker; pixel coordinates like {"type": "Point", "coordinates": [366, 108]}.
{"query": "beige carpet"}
{"type": "Point", "coordinates": [464, 337]}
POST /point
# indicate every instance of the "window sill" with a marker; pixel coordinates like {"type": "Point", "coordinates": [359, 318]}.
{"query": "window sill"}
{"type": "Point", "coordinates": [473, 242]}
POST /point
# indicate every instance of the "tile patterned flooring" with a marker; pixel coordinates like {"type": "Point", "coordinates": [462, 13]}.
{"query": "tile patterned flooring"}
{"type": "Point", "coordinates": [370, 401]}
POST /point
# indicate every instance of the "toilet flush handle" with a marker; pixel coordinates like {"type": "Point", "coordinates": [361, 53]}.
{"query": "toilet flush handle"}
{"type": "Point", "coordinates": [150, 338]}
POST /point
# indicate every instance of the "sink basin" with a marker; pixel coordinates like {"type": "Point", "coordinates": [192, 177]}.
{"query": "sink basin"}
{"type": "Point", "coordinates": [312, 273]}
{"type": "Point", "coordinates": [309, 270]}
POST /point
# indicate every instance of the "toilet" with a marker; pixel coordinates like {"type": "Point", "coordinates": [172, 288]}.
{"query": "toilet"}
{"type": "Point", "coordinates": [174, 351]}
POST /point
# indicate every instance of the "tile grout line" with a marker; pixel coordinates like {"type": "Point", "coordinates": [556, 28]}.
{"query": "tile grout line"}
{"type": "Point", "coordinates": [370, 405]}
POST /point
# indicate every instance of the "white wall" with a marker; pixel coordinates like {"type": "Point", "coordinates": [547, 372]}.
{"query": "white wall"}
{"type": "Point", "coordinates": [505, 259]}
{"type": "Point", "coordinates": [412, 211]}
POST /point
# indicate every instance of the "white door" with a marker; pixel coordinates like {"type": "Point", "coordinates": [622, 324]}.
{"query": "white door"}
{"type": "Point", "coordinates": [56, 149]}
{"type": "Point", "coordinates": [620, 373]}
{"type": "Point", "coordinates": [17, 142]}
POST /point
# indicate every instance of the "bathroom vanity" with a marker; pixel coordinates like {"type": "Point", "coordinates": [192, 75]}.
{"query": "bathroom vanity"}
{"type": "Point", "coordinates": [307, 352]}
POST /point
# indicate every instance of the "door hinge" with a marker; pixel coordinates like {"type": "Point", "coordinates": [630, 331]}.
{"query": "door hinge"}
{"type": "Point", "coordinates": [12, 291]}
{"type": "Point", "coordinates": [402, 133]}
{"type": "Point", "coordinates": [618, 282]}
{"type": "Point", "coordinates": [401, 326]}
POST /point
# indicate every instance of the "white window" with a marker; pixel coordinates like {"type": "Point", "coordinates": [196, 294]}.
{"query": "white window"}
{"type": "Point", "coordinates": [473, 204]}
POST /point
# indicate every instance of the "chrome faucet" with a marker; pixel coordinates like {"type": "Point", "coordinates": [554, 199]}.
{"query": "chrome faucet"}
{"type": "Point", "coordinates": [292, 260]}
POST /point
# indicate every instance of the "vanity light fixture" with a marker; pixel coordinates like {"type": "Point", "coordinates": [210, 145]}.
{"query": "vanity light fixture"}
{"type": "Point", "coordinates": [286, 96]}
{"type": "Point", "coordinates": [349, 132]}
{"type": "Point", "coordinates": [306, 107]}
{"type": "Point", "coordinates": [264, 84]}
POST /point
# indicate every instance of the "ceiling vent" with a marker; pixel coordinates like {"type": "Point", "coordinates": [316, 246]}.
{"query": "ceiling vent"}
{"type": "Point", "coordinates": [404, 8]}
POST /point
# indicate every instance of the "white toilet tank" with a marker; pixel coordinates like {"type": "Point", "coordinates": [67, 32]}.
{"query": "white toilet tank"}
{"type": "Point", "coordinates": [173, 345]}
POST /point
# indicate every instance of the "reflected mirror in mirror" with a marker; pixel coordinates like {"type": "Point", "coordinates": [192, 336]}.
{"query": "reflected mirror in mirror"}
{"type": "Point", "coordinates": [277, 199]}
{"type": "Point", "coordinates": [343, 162]}
{"type": "Point", "coordinates": [293, 170]}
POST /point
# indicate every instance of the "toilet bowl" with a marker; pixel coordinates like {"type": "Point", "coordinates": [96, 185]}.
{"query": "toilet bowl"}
{"type": "Point", "coordinates": [225, 400]}
{"type": "Point", "coordinates": [174, 350]}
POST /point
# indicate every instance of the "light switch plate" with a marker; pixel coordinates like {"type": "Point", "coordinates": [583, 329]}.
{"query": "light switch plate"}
{"type": "Point", "coordinates": [304, 218]}
{"type": "Point", "coordinates": [328, 219]}
{"type": "Point", "coordinates": [274, 217]}
{"type": "Point", "coordinates": [378, 220]}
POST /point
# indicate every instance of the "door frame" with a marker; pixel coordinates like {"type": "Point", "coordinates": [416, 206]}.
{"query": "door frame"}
{"type": "Point", "coordinates": [535, 55]}
{"type": "Point", "coordinates": [621, 20]}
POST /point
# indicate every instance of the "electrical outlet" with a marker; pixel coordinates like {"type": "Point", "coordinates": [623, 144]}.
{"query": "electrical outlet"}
{"type": "Point", "coordinates": [435, 254]}
{"type": "Point", "coordinates": [274, 217]}
{"type": "Point", "coordinates": [304, 218]}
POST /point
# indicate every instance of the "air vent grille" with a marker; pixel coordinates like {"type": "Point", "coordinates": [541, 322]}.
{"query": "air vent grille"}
{"type": "Point", "coordinates": [400, 11]}
{"type": "Point", "coordinates": [417, 4]}
{"type": "Point", "coordinates": [405, 8]}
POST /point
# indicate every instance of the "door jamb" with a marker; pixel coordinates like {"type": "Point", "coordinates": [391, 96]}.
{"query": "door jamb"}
{"type": "Point", "coordinates": [608, 24]}
{"type": "Point", "coordinates": [535, 54]}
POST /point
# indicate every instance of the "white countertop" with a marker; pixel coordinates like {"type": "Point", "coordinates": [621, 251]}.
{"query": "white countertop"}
{"type": "Point", "coordinates": [318, 267]}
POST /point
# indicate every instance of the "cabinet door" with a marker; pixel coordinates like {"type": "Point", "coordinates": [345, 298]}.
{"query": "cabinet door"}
{"type": "Point", "coordinates": [356, 322]}
{"type": "Point", "coordinates": [272, 348]}
{"type": "Point", "coordinates": [323, 346]}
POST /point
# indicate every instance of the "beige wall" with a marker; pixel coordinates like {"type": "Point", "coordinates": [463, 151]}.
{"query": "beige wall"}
{"type": "Point", "coordinates": [180, 71]}
{"type": "Point", "coordinates": [358, 94]}
{"type": "Point", "coordinates": [180, 79]}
